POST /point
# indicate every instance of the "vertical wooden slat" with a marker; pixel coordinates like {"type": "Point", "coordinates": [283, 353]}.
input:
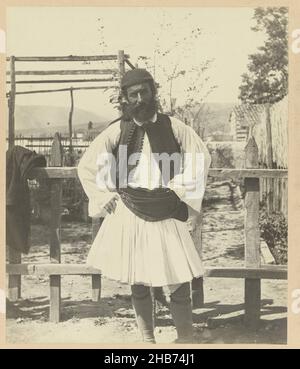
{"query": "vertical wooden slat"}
{"type": "Point", "coordinates": [197, 283]}
{"type": "Point", "coordinates": [71, 126]}
{"type": "Point", "coordinates": [252, 237]}
{"type": "Point", "coordinates": [121, 66]}
{"type": "Point", "coordinates": [96, 279]}
{"type": "Point", "coordinates": [121, 63]}
{"type": "Point", "coordinates": [14, 281]}
{"type": "Point", "coordinates": [56, 160]}
{"type": "Point", "coordinates": [269, 158]}
{"type": "Point", "coordinates": [14, 256]}
{"type": "Point", "coordinates": [12, 96]}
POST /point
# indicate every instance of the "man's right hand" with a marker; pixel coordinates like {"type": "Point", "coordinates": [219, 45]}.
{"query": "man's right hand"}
{"type": "Point", "coordinates": [111, 205]}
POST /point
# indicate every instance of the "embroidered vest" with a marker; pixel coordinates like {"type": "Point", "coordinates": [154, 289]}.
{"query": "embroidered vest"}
{"type": "Point", "coordinates": [160, 203]}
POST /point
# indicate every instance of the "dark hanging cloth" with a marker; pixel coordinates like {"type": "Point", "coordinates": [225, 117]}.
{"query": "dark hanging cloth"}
{"type": "Point", "coordinates": [19, 162]}
{"type": "Point", "coordinates": [160, 203]}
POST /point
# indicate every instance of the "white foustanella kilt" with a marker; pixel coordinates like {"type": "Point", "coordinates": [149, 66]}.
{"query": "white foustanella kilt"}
{"type": "Point", "coordinates": [127, 248]}
{"type": "Point", "coordinates": [134, 251]}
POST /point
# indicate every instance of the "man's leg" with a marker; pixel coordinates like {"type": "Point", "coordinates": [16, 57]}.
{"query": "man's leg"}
{"type": "Point", "coordinates": [181, 310]}
{"type": "Point", "coordinates": [142, 304]}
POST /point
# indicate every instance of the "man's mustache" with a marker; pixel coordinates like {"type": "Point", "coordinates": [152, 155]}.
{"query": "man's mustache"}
{"type": "Point", "coordinates": [129, 109]}
{"type": "Point", "coordinates": [137, 107]}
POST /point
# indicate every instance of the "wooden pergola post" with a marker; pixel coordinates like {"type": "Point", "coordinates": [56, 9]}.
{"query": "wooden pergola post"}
{"type": "Point", "coordinates": [56, 160]}
{"type": "Point", "coordinates": [11, 103]}
{"type": "Point", "coordinates": [71, 123]}
{"type": "Point", "coordinates": [121, 63]}
{"type": "Point", "coordinates": [14, 256]}
{"type": "Point", "coordinates": [252, 237]}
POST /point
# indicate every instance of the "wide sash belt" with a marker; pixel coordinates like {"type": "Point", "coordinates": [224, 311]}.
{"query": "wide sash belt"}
{"type": "Point", "coordinates": [154, 205]}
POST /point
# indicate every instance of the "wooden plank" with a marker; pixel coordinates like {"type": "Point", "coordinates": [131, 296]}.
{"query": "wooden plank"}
{"type": "Point", "coordinates": [195, 229]}
{"type": "Point", "coordinates": [66, 145]}
{"type": "Point", "coordinates": [96, 287]}
{"type": "Point", "coordinates": [11, 104]}
{"type": "Point", "coordinates": [51, 269]}
{"type": "Point", "coordinates": [65, 89]}
{"type": "Point", "coordinates": [65, 58]}
{"type": "Point", "coordinates": [14, 256]}
{"type": "Point", "coordinates": [96, 279]}
{"type": "Point", "coordinates": [71, 122]}
{"type": "Point", "coordinates": [252, 237]}
{"type": "Point", "coordinates": [269, 148]}
{"type": "Point", "coordinates": [39, 81]}
{"type": "Point", "coordinates": [252, 302]}
{"type": "Point", "coordinates": [248, 173]}
{"type": "Point", "coordinates": [55, 298]}
{"type": "Point", "coordinates": [264, 272]}
{"type": "Point", "coordinates": [197, 293]}
{"type": "Point", "coordinates": [121, 70]}
{"type": "Point", "coordinates": [56, 159]}
{"type": "Point", "coordinates": [129, 64]}
{"type": "Point", "coordinates": [65, 269]}
{"type": "Point", "coordinates": [71, 172]}
{"type": "Point", "coordinates": [14, 280]}
{"type": "Point", "coordinates": [64, 72]}
{"type": "Point", "coordinates": [248, 273]}
{"type": "Point", "coordinates": [121, 63]}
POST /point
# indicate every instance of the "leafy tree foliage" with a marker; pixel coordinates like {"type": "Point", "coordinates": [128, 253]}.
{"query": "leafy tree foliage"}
{"type": "Point", "coordinates": [267, 78]}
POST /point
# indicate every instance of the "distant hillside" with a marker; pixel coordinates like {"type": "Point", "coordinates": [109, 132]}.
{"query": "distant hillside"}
{"type": "Point", "coordinates": [38, 119]}
{"type": "Point", "coordinates": [46, 120]}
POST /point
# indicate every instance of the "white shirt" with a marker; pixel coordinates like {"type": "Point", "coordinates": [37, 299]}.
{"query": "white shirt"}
{"type": "Point", "coordinates": [182, 183]}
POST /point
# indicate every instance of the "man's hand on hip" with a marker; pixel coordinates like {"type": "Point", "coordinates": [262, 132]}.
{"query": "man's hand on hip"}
{"type": "Point", "coordinates": [111, 205]}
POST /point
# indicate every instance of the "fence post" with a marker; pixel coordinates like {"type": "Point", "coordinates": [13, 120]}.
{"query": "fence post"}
{"type": "Point", "coordinates": [14, 281]}
{"type": "Point", "coordinates": [96, 278]}
{"type": "Point", "coordinates": [252, 237]}
{"type": "Point", "coordinates": [14, 256]}
{"type": "Point", "coordinates": [56, 160]}
{"type": "Point", "coordinates": [197, 283]}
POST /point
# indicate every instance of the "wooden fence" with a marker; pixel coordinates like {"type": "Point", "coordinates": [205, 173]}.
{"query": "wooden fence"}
{"type": "Point", "coordinates": [271, 134]}
{"type": "Point", "coordinates": [43, 145]}
{"type": "Point", "coordinates": [252, 273]}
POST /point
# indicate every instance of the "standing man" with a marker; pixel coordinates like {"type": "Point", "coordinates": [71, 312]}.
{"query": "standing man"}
{"type": "Point", "coordinates": [147, 174]}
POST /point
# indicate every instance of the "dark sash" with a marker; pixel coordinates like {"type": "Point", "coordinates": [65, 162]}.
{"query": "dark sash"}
{"type": "Point", "coordinates": [154, 205]}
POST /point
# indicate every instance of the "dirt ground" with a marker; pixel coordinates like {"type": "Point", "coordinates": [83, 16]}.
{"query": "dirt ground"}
{"type": "Point", "coordinates": [111, 321]}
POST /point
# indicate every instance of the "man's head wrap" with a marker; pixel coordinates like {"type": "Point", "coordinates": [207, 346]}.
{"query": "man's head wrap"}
{"type": "Point", "coordinates": [135, 77]}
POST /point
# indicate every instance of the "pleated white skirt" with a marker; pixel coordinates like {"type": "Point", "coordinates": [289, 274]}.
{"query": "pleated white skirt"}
{"type": "Point", "coordinates": [134, 251]}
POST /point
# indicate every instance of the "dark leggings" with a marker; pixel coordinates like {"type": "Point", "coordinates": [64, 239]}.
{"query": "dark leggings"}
{"type": "Point", "coordinates": [180, 307]}
{"type": "Point", "coordinates": [179, 296]}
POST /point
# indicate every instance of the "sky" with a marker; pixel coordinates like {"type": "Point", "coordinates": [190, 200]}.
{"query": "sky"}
{"type": "Point", "coordinates": [226, 38]}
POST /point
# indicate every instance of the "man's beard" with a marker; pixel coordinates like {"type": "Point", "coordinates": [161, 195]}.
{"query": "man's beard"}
{"type": "Point", "coordinates": [141, 112]}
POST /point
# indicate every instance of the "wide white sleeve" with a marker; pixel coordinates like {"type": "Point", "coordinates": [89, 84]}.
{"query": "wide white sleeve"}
{"type": "Point", "coordinates": [190, 183]}
{"type": "Point", "coordinates": [91, 165]}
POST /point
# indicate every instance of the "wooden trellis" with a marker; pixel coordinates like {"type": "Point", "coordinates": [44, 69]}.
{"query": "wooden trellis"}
{"type": "Point", "coordinates": [106, 75]}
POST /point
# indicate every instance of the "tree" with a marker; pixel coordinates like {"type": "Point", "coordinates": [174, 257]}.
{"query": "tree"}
{"type": "Point", "coordinates": [182, 73]}
{"type": "Point", "coordinates": [267, 78]}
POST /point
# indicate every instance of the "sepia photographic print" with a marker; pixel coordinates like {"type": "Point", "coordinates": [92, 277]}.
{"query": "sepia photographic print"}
{"type": "Point", "coordinates": [150, 156]}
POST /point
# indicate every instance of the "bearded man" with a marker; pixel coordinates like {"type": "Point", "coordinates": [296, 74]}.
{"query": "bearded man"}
{"type": "Point", "coordinates": [146, 200]}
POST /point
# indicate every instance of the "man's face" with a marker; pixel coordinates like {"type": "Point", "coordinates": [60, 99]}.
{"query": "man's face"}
{"type": "Point", "coordinates": [141, 100]}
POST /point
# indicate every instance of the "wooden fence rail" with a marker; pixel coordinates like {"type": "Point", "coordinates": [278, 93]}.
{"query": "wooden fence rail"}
{"type": "Point", "coordinates": [223, 173]}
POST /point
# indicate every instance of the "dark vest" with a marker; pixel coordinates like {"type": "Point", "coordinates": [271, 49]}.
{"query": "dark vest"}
{"type": "Point", "coordinates": [157, 204]}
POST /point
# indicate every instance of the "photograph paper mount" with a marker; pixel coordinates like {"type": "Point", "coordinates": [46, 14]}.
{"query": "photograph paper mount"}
{"type": "Point", "coordinates": [252, 272]}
